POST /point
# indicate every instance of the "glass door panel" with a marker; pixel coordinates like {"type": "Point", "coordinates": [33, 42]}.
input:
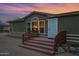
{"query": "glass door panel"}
{"type": "Point", "coordinates": [41, 26]}
{"type": "Point", "coordinates": [35, 25]}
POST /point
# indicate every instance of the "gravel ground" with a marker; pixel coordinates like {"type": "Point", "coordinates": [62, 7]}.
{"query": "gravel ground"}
{"type": "Point", "coordinates": [9, 46]}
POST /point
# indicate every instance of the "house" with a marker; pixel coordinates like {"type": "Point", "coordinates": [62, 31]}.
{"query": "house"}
{"type": "Point", "coordinates": [46, 24]}
{"type": "Point", "coordinates": [4, 27]}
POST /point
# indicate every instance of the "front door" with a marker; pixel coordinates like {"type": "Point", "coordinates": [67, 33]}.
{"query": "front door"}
{"type": "Point", "coordinates": [35, 25]}
{"type": "Point", "coordinates": [38, 25]}
{"type": "Point", "coordinates": [52, 27]}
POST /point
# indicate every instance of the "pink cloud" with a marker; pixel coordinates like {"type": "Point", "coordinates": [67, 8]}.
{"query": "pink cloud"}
{"type": "Point", "coordinates": [11, 10]}
{"type": "Point", "coordinates": [51, 8]}
{"type": "Point", "coordinates": [58, 8]}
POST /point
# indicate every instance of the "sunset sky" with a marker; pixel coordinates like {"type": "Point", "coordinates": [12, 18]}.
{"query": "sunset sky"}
{"type": "Point", "coordinates": [12, 11]}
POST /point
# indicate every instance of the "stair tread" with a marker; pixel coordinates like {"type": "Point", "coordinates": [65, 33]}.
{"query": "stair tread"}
{"type": "Point", "coordinates": [44, 43]}
{"type": "Point", "coordinates": [38, 49]}
{"type": "Point", "coordinates": [45, 39]}
{"type": "Point", "coordinates": [50, 41]}
{"type": "Point", "coordinates": [38, 45]}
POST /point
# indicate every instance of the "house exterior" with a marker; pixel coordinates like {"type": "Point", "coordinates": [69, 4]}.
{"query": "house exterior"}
{"type": "Point", "coordinates": [17, 27]}
{"type": "Point", "coordinates": [4, 27]}
{"type": "Point", "coordinates": [68, 22]}
{"type": "Point", "coordinates": [45, 24]}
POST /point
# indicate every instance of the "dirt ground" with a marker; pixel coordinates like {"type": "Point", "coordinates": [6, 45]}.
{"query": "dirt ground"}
{"type": "Point", "coordinates": [9, 46]}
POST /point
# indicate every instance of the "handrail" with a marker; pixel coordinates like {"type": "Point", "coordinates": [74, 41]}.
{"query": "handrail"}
{"type": "Point", "coordinates": [59, 40]}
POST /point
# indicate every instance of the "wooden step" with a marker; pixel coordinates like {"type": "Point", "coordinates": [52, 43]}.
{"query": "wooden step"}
{"type": "Point", "coordinates": [46, 51]}
{"type": "Point", "coordinates": [39, 45]}
{"type": "Point", "coordinates": [44, 45]}
{"type": "Point", "coordinates": [42, 42]}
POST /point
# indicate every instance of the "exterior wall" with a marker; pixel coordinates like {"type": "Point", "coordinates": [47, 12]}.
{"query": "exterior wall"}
{"type": "Point", "coordinates": [69, 24]}
{"type": "Point", "coordinates": [46, 26]}
{"type": "Point", "coordinates": [4, 28]}
{"type": "Point", "coordinates": [1, 28]}
{"type": "Point", "coordinates": [18, 27]}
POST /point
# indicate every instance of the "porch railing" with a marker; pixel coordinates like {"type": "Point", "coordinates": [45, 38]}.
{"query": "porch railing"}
{"type": "Point", "coordinates": [27, 36]}
{"type": "Point", "coordinates": [59, 40]}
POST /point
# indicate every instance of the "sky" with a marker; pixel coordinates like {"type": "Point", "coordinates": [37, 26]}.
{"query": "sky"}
{"type": "Point", "coordinates": [11, 11]}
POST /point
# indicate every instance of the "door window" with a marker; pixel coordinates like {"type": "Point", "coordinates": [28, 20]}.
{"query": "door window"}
{"type": "Point", "coordinates": [41, 26]}
{"type": "Point", "coordinates": [35, 25]}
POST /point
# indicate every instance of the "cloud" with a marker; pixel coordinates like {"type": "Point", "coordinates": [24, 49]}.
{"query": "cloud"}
{"type": "Point", "coordinates": [9, 11]}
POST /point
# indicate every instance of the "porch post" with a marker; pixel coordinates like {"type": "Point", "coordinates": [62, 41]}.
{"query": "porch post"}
{"type": "Point", "coordinates": [38, 25]}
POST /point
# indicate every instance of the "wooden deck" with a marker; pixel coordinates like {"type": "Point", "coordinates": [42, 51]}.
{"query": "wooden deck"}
{"type": "Point", "coordinates": [45, 45]}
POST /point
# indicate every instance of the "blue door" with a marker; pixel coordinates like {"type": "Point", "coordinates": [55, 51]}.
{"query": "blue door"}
{"type": "Point", "coordinates": [52, 27]}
